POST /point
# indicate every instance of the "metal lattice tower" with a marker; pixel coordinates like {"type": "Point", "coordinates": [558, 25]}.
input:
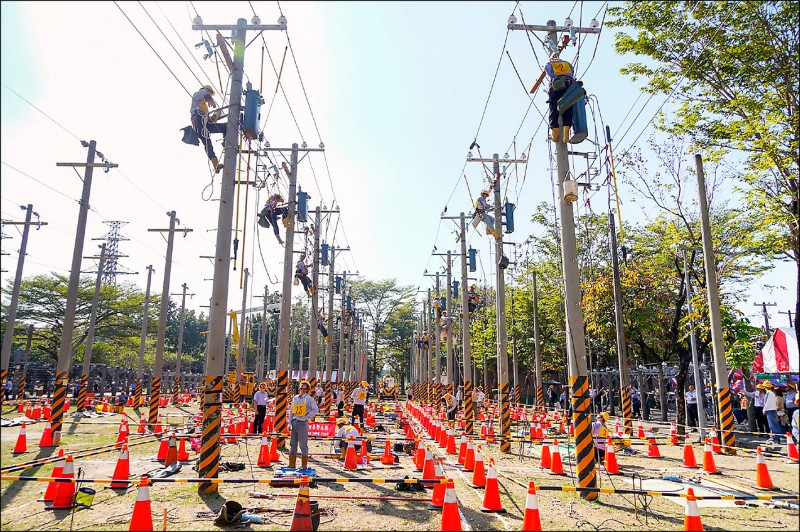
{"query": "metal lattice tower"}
{"type": "Point", "coordinates": [113, 238]}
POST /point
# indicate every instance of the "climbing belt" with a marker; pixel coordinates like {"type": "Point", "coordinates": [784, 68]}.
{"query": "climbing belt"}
{"type": "Point", "coordinates": [584, 446]}
{"type": "Point", "coordinates": [208, 466]}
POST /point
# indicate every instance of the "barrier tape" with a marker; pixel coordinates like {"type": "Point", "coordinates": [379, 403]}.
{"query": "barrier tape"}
{"type": "Point", "coordinates": [76, 455]}
{"type": "Point", "coordinates": [270, 481]}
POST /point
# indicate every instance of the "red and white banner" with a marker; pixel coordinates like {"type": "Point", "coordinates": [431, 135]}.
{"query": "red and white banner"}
{"type": "Point", "coordinates": [324, 430]}
{"type": "Point", "coordinates": [779, 354]}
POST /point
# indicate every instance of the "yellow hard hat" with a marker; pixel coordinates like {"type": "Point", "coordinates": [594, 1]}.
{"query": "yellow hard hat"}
{"type": "Point", "coordinates": [485, 192]}
{"type": "Point", "coordinates": [341, 421]}
{"type": "Point", "coordinates": [447, 396]}
{"type": "Point", "coordinates": [304, 382]}
{"type": "Point", "coordinates": [606, 416]}
{"type": "Point", "coordinates": [209, 87]}
{"type": "Point", "coordinates": [364, 384]}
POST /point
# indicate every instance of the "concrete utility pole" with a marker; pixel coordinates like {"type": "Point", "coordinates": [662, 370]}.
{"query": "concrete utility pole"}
{"type": "Point", "coordinates": [210, 448]}
{"type": "Point", "coordinates": [764, 313]}
{"type": "Point", "coordinates": [468, 404]}
{"type": "Point", "coordinates": [537, 348]}
{"type": "Point", "coordinates": [8, 339]}
{"type": "Point", "coordinates": [87, 356]}
{"type": "Point", "coordinates": [438, 351]}
{"type": "Point", "coordinates": [431, 338]}
{"type": "Point", "coordinates": [341, 357]}
{"type": "Point", "coordinates": [329, 348]}
{"type": "Point", "coordinates": [717, 341]}
{"type": "Point", "coordinates": [176, 387]}
{"type": "Point", "coordinates": [450, 324]}
{"type": "Point", "coordinates": [23, 371]}
{"type": "Point", "coordinates": [789, 314]}
{"type": "Point", "coordinates": [155, 390]}
{"type": "Point", "coordinates": [576, 342]}
{"type": "Point", "coordinates": [65, 350]}
{"type": "Point", "coordinates": [622, 348]}
{"type": "Point", "coordinates": [698, 383]}
{"type": "Point", "coordinates": [137, 389]}
{"type": "Point", "coordinates": [313, 341]}
{"type": "Point", "coordinates": [241, 350]}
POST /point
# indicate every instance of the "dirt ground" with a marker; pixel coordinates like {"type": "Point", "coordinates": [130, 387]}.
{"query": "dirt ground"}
{"type": "Point", "coordinates": [186, 510]}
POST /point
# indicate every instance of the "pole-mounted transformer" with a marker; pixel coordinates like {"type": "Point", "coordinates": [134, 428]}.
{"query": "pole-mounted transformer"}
{"type": "Point", "coordinates": [471, 259]}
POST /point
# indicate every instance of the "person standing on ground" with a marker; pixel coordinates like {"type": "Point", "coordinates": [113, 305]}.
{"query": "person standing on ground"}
{"type": "Point", "coordinates": [339, 401]}
{"type": "Point", "coordinates": [758, 403]}
{"type": "Point", "coordinates": [479, 397]}
{"type": "Point", "coordinates": [771, 413]}
{"type": "Point", "coordinates": [304, 409]}
{"type": "Point", "coordinates": [318, 393]}
{"type": "Point", "coordinates": [452, 408]}
{"type": "Point", "coordinates": [359, 397]}
{"type": "Point", "coordinates": [260, 400]}
{"type": "Point", "coordinates": [691, 406]}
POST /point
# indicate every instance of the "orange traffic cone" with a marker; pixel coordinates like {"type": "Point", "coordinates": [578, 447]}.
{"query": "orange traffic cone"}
{"type": "Point", "coordinates": [462, 449]}
{"type": "Point", "coordinates": [301, 520]}
{"type": "Point", "coordinates": [22, 441]}
{"type": "Point", "coordinates": [479, 475]}
{"type": "Point", "coordinates": [364, 453]}
{"type": "Point", "coordinates": [142, 517]}
{"type": "Point", "coordinates": [450, 518]}
{"type": "Point", "coordinates": [531, 522]}
{"type": "Point", "coordinates": [163, 448]}
{"type": "Point", "coordinates": [122, 471]}
{"type": "Point", "coordinates": [612, 468]}
{"type": "Point", "coordinates": [691, 518]}
{"type": "Point", "coordinates": [263, 452]}
{"type": "Point", "coordinates": [122, 437]}
{"type": "Point", "coordinates": [556, 467]}
{"type": "Point", "coordinates": [50, 492]}
{"type": "Point", "coordinates": [545, 460]}
{"type": "Point", "coordinates": [387, 458]}
{"type": "Point", "coordinates": [491, 497]}
{"type": "Point", "coordinates": [791, 448]}
{"type": "Point", "coordinates": [652, 448]}
{"type": "Point", "coordinates": [158, 429]}
{"type": "Point", "coordinates": [688, 455]}
{"type": "Point", "coordinates": [708, 459]}
{"type": "Point", "coordinates": [451, 442]}
{"type": "Point", "coordinates": [47, 436]}
{"type": "Point", "coordinates": [350, 462]}
{"type": "Point", "coordinates": [172, 451]}
{"type": "Point", "coordinates": [183, 455]}
{"type": "Point", "coordinates": [640, 429]}
{"type": "Point", "coordinates": [429, 469]}
{"type": "Point", "coordinates": [141, 429]}
{"type": "Point", "coordinates": [419, 458]}
{"type": "Point", "coordinates": [763, 480]}
{"type": "Point", "coordinates": [673, 434]}
{"type": "Point", "coordinates": [437, 498]}
{"type": "Point", "coordinates": [469, 457]}
{"type": "Point", "coordinates": [274, 454]}
{"type": "Point", "coordinates": [714, 441]}
{"type": "Point", "coordinates": [65, 491]}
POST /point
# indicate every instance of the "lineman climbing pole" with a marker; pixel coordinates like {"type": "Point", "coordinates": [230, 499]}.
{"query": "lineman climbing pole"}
{"type": "Point", "coordinates": [65, 350]}
{"type": "Point", "coordinates": [137, 388]}
{"type": "Point", "coordinates": [502, 333]}
{"type": "Point", "coordinates": [210, 448]}
{"type": "Point", "coordinates": [576, 342]}
{"type": "Point", "coordinates": [176, 387]}
{"type": "Point", "coordinates": [155, 389]}
{"type": "Point", "coordinates": [8, 339]}
{"type": "Point", "coordinates": [717, 341]}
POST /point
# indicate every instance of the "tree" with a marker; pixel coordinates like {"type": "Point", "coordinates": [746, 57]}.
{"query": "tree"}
{"type": "Point", "coordinates": [42, 302]}
{"type": "Point", "coordinates": [736, 63]}
{"type": "Point", "coordinates": [379, 299]}
{"type": "Point", "coordinates": [397, 336]}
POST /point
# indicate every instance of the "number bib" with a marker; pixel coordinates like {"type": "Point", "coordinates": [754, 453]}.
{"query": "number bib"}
{"type": "Point", "coordinates": [362, 396]}
{"type": "Point", "coordinates": [561, 68]}
{"type": "Point", "coordinates": [299, 409]}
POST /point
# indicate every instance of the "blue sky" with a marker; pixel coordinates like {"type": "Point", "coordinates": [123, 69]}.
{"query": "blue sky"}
{"type": "Point", "coordinates": [397, 90]}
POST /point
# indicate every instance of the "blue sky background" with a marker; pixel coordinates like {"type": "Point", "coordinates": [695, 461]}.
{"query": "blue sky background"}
{"type": "Point", "coordinates": [397, 90]}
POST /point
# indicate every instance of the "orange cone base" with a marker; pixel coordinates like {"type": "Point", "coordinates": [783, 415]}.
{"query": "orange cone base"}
{"type": "Point", "coordinates": [488, 511]}
{"type": "Point", "coordinates": [67, 507]}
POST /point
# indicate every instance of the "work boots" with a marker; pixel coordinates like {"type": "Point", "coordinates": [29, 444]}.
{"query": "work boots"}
{"type": "Point", "coordinates": [216, 164]}
{"type": "Point", "coordinates": [292, 461]}
{"type": "Point", "coordinates": [556, 134]}
{"type": "Point", "coordinates": [305, 461]}
{"type": "Point", "coordinates": [566, 133]}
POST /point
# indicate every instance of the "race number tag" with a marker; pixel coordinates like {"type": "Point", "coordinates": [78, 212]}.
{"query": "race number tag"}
{"type": "Point", "coordinates": [561, 68]}
{"type": "Point", "coordinates": [362, 396]}
{"type": "Point", "coordinates": [299, 410]}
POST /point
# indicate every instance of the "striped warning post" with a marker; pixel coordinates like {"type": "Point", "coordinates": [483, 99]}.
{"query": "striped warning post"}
{"type": "Point", "coordinates": [82, 393]}
{"type": "Point", "coordinates": [236, 395]}
{"type": "Point", "coordinates": [312, 384]}
{"type": "Point", "coordinates": [21, 387]}
{"type": "Point", "coordinates": [584, 446]}
{"type": "Point", "coordinates": [280, 407]}
{"type": "Point", "coordinates": [726, 421]}
{"type": "Point", "coordinates": [627, 410]}
{"type": "Point", "coordinates": [540, 396]}
{"type": "Point", "coordinates": [137, 394]}
{"type": "Point", "coordinates": [57, 410]}
{"type": "Point", "coordinates": [469, 407]}
{"type": "Point", "coordinates": [517, 394]}
{"type": "Point", "coordinates": [505, 419]}
{"type": "Point", "coordinates": [155, 394]}
{"type": "Point", "coordinates": [328, 399]}
{"type": "Point", "coordinates": [450, 388]}
{"type": "Point", "coordinates": [209, 444]}
{"type": "Point", "coordinates": [3, 377]}
{"type": "Point", "coordinates": [176, 389]}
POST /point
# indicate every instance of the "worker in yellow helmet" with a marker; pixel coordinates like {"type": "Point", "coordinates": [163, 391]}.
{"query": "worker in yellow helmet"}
{"type": "Point", "coordinates": [303, 410]}
{"type": "Point", "coordinates": [482, 209]}
{"type": "Point", "coordinates": [452, 407]}
{"type": "Point", "coordinates": [203, 125]}
{"type": "Point", "coordinates": [359, 396]}
{"type": "Point", "coordinates": [561, 76]}
{"type": "Point", "coordinates": [600, 434]}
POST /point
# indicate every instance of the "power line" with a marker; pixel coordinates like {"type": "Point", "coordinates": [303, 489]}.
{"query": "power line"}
{"type": "Point", "coordinates": [53, 120]}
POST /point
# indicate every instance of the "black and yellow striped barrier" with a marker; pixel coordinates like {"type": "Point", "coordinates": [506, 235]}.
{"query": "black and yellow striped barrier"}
{"type": "Point", "coordinates": [276, 482]}
{"type": "Point", "coordinates": [75, 455]}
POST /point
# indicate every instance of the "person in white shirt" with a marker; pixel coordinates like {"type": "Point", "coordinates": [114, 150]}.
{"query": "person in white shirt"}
{"type": "Point", "coordinates": [691, 406]}
{"type": "Point", "coordinates": [339, 400]}
{"type": "Point", "coordinates": [318, 393]}
{"type": "Point", "coordinates": [758, 403]}
{"type": "Point", "coordinates": [260, 399]}
{"type": "Point", "coordinates": [344, 433]}
{"type": "Point", "coordinates": [359, 397]}
{"type": "Point", "coordinates": [459, 396]}
{"type": "Point", "coordinates": [304, 409]}
{"type": "Point", "coordinates": [771, 412]}
{"type": "Point", "coordinates": [478, 398]}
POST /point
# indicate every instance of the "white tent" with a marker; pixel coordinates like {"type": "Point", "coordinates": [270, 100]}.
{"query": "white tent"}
{"type": "Point", "coordinates": [779, 354]}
